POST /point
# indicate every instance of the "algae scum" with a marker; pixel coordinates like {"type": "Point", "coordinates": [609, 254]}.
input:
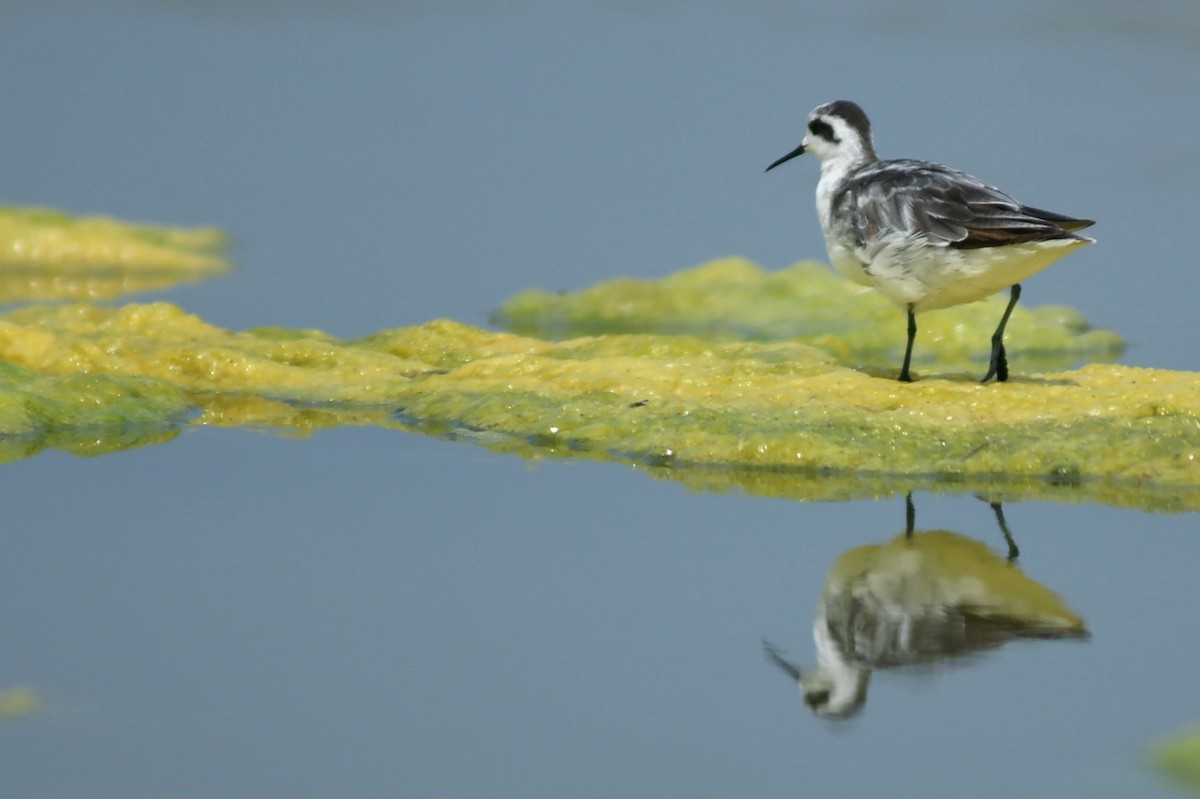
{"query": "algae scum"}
{"type": "Point", "coordinates": [723, 375]}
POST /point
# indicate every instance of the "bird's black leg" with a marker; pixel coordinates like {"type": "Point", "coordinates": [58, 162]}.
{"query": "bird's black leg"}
{"type": "Point", "coordinates": [1013, 552]}
{"type": "Point", "coordinates": [905, 377]}
{"type": "Point", "coordinates": [998, 367]}
{"type": "Point", "coordinates": [910, 515]}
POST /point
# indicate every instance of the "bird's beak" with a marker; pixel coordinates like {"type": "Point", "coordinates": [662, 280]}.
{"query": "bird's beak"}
{"type": "Point", "coordinates": [798, 151]}
{"type": "Point", "coordinates": [776, 657]}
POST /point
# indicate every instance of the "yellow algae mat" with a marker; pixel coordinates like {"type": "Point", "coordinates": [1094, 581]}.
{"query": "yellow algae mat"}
{"type": "Point", "coordinates": [18, 702]}
{"type": "Point", "coordinates": [1178, 758]}
{"type": "Point", "coordinates": [48, 255]}
{"type": "Point", "coordinates": [775, 382]}
{"type": "Point", "coordinates": [735, 300]}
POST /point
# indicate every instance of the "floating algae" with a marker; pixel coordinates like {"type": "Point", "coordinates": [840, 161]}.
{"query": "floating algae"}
{"type": "Point", "coordinates": [160, 341]}
{"type": "Point", "coordinates": [773, 407]}
{"type": "Point", "coordinates": [84, 414]}
{"type": "Point", "coordinates": [18, 702]}
{"type": "Point", "coordinates": [48, 255]}
{"type": "Point", "coordinates": [752, 408]}
{"type": "Point", "coordinates": [735, 300]}
{"type": "Point", "coordinates": [1178, 757]}
{"type": "Point", "coordinates": [781, 414]}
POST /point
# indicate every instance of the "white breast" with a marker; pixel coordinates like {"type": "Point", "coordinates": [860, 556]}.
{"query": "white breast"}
{"type": "Point", "coordinates": [913, 272]}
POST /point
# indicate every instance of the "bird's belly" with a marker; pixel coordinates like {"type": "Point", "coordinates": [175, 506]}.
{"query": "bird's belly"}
{"type": "Point", "coordinates": [931, 276]}
{"type": "Point", "coordinates": [848, 264]}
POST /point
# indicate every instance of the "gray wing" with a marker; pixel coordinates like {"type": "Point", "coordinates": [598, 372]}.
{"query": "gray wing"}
{"type": "Point", "coordinates": [918, 198]}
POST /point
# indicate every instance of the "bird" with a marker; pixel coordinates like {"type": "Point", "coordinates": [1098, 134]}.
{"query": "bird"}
{"type": "Point", "coordinates": [926, 235]}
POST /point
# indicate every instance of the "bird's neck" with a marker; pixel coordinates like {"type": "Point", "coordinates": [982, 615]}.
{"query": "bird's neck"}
{"type": "Point", "coordinates": [834, 172]}
{"type": "Point", "coordinates": [848, 679]}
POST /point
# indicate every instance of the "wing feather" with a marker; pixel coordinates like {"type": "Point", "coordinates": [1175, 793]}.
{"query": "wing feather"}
{"type": "Point", "coordinates": [918, 198]}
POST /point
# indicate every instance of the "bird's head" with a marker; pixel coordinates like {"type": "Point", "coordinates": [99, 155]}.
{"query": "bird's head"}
{"type": "Point", "coordinates": [837, 131]}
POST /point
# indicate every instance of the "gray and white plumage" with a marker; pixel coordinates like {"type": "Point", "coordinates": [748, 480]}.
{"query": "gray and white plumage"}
{"type": "Point", "coordinates": [924, 234]}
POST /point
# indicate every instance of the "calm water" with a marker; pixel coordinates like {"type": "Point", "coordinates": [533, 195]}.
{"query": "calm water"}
{"type": "Point", "coordinates": [369, 613]}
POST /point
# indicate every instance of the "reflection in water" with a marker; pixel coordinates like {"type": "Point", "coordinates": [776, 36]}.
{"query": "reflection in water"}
{"type": "Point", "coordinates": [921, 598]}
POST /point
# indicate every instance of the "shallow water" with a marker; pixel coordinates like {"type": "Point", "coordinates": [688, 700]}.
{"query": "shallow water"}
{"type": "Point", "coordinates": [372, 613]}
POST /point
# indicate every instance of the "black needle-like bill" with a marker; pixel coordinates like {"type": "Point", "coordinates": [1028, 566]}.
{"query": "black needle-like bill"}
{"type": "Point", "coordinates": [798, 151]}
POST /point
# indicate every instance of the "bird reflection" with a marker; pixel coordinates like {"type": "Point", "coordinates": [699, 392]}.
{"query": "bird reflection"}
{"type": "Point", "coordinates": [922, 598]}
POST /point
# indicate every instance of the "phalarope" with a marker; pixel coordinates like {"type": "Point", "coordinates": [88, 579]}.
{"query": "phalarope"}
{"type": "Point", "coordinates": [924, 234]}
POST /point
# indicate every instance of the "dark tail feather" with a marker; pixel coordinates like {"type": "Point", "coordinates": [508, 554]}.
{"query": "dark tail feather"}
{"type": "Point", "coordinates": [1064, 222]}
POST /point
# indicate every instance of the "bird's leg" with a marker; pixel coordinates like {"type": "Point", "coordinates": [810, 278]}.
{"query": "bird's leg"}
{"type": "Point", "coordinates": [998, 367]}
{"type": "Point", "coordinates": [1013, 552]}
{"type": "Point", "coordinates": [905, 377]}
{"type": "Point", "coordinates": [910, 515]}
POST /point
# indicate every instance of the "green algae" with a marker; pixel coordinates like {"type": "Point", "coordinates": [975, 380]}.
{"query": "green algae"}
{"type": "Point", "coordinates": [47, 255]}
{"type": "Point", "coordinates": [1178, 758]}
{"type": "Point", "coordinates": [782, 418]}
{"type": "Point", "coordinates": [162, 342]}
{"type": "Point", "coordinates": [84, 414]}
{"type": "Point", "coordinates": [734, 300]}
{"type": "Point", "coordinates": [786, 434]}
{"type": "Point", "coordinates": [18, 702]}
{"type": "Point", "coordinates": [728, 377]}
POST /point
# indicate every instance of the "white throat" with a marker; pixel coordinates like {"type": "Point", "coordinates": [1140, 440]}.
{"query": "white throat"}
{"type": "Point", "coordinates": [836, 166]}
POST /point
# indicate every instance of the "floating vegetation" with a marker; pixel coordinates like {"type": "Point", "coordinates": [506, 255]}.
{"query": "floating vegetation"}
{"type": "Point", "coordinates": [18, 702]}
{"type": "Point", "coordinates": [1178, 757]}
{"type": "Point", "coordinates": [735, 300]}
{"type": "Point", "coordinates": [47, 255]}
{"type": "Point", "coordinates": [768, 415]}
{"type": "Point", "coordinates": [720, 376]}
{"type": "Point", "coordinates": [85, 414]}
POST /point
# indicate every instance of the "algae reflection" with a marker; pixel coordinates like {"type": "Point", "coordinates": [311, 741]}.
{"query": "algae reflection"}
{"type": "Point", "coordinates": [923, 598]}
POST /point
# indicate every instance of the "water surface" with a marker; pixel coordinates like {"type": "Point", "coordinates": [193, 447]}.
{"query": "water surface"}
{"type": "Point", "coordinates": [372, 613]}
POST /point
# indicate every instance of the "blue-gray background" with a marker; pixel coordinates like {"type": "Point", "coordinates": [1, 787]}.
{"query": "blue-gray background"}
{"type": "Point", "coordinates": [368, 613]}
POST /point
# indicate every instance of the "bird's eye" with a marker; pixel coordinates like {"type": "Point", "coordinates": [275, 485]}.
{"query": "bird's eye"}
{"type": "Point", "coordinates": [816, 699]}
{"type": "Point", "coordinates": [821, 128]}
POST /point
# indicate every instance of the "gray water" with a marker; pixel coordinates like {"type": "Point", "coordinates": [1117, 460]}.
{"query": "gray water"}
{"type": "Point", "coordinates": [369, 613]}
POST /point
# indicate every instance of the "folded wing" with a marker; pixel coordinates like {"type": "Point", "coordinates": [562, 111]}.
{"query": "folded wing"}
{"type": "Point", "coordinates": [905, 198]}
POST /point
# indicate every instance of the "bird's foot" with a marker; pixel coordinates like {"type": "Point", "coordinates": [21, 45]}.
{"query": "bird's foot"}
{"type": "Point", "coordinates": [998, 367]}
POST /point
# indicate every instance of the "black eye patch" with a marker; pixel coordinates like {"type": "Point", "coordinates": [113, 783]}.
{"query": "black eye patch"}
{"type": "Point", "coordinates": [819, 127]}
